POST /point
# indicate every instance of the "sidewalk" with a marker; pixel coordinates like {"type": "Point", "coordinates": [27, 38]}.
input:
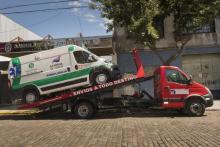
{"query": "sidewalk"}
{"type": "Point", "coordinates": [216, 105]}
{"type": "Point", "coordinates": [13, 110]}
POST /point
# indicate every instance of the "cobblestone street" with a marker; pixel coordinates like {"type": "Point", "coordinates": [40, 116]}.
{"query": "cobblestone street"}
{"type": "Point", "coordinates": [112, 129]}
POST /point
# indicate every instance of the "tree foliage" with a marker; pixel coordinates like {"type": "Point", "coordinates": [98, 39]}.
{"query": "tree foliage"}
{"type": "Point", "coordinates": [140, 19]}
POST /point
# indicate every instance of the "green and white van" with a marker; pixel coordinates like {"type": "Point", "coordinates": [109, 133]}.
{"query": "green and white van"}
{"type": "Point", "coordinates": [58, 69]}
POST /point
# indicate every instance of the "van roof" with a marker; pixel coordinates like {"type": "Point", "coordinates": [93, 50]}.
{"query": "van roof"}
{"type": "Point", "coordinates": [49, 53]}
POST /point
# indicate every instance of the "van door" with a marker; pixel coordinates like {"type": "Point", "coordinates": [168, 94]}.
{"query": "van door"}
{"type": "Point", "coordinates": [83, 60]}
{"type": "Point", "coordinates": [83, 63]}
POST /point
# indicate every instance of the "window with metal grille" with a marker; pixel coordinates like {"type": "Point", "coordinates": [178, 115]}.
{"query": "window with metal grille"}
{"type": "Point", "coordinates": [208, 28]}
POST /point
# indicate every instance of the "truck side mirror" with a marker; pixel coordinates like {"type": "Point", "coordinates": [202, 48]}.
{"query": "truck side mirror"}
{"type": "Point", "coordinates": [190, 79]}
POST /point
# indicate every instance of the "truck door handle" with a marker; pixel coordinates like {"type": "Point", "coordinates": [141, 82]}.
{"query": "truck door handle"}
{"type": "Point", "coordinates": [76, 67]}
{"type": "Point", "coordinates": [167, 88]}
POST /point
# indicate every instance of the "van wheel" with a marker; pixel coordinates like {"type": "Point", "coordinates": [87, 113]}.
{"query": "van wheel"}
{"type": "Point", "coordinates": [195, 108]}
{"type": "Point", "coordinates": [100, 78]}
{"type": "Point", "coordinates": [30, 96]}
{"type": "Point", "coordinates": [84, 110]}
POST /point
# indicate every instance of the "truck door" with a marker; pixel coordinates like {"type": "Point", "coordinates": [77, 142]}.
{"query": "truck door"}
{"type": "Point", "coordinates": [175, 88]}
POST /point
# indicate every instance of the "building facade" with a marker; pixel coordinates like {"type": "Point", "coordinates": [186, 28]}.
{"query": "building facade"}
{"type": "Point", "coordinates": [200, 58]}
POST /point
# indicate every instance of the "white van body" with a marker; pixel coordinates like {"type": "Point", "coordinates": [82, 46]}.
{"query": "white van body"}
{"type": "Point", "coordinates": [56, 70]}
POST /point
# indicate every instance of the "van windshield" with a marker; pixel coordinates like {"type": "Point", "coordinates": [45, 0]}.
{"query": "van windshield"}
{"type": "Point", "coordinates": [83, 57]}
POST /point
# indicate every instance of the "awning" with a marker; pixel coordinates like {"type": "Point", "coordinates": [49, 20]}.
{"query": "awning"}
{"type": "Point", "coordinates": [3, 59]}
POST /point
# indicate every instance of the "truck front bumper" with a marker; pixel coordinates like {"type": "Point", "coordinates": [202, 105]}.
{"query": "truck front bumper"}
{"type": "Point", "coordinates": [209, 102]}
{"type": "Point", "coordinates": [209, 99]}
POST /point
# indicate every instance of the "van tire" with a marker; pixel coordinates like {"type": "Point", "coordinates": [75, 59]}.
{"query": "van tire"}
{"type": "Point", "coordinates": [30, 96]}
{"type": "Point", "coordinates": [195, 107]}
{"type": "Point", "coordinates": [84, 110]}
{"type": "Point", "coordinates": [101, 77]}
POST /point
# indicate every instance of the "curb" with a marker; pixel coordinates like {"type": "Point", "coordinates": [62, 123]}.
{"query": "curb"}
{"type": "Point", "coordinates": [18, 112]}
{"type": "Point", "coordinates": [213, 109]}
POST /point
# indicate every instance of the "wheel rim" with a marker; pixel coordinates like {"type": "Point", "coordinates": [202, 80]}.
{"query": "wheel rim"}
{"type": "Point", "coordinates": [83, 111]}
{"type": "Point", "coordinates": [101, 79]}
{"type": "Point", "coordinates": [196, 108]}
{"type": "Point", "coordinates": [30, 98]}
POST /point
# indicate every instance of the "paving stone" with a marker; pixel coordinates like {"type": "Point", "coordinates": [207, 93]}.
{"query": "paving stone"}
{"type": "Point", "coordinates": [153, 129]}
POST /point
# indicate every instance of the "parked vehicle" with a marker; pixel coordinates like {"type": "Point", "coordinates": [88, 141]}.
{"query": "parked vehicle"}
{"type": "Point", "coordinates": [57, 70]}
{"type": "Point", "coordinates": [173, 89]}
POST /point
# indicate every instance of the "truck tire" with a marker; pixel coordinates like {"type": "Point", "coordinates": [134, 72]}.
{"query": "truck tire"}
{"type": "Point", "coordinates": [84, 110]}
{"type": "Point", "coordinates": [101, 77]}
{"type": "Point", "coordinates": [30, 96]}
{"type": "Point", "coordinates": [195, 107]}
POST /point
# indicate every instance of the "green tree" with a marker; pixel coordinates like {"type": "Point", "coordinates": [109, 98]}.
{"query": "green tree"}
{"type": "Point", "coordinates": [140, 19]}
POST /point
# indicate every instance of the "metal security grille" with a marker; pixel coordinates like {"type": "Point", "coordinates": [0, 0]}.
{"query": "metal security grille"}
{"type": "Point", "coordinates": [204, 68]}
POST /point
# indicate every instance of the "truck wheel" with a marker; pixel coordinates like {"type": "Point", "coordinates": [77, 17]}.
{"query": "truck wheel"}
{"type": "Point", "coordinates": [30, 96]}
{"type": "Point", "coordinates": [195, 108]}
{"type": "Point", "coordinates": [100, 78]}
{"type": "Point", "coordinates": [84, 110]}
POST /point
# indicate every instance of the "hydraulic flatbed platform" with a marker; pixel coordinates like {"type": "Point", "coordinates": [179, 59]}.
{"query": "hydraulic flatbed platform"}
{"type": "Point", "coordinates": [93, 89]}
{"type": "Point", "coordinates": [65, 97]}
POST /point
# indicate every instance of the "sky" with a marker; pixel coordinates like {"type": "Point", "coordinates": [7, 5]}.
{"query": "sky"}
{"type": "Point", "coordinates": [59, 23]}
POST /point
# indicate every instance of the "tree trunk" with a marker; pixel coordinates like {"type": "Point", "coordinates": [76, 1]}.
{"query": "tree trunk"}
{"type": "Point", "coordinates": [184, 40]}
{"type": "Point", "coordinates": [154, 49]}
{"type": "Point", "coordinates": [174, 56]}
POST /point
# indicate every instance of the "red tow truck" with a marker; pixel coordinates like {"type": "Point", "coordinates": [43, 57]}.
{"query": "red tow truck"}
{"type": "Point", "coordinates": [173, 89]}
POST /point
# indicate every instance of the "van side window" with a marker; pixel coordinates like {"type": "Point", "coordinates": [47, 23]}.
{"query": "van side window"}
{"type": "Point", "coordinates": [83, 57]}
{"type": "Point", "coordinates": [175, 76]}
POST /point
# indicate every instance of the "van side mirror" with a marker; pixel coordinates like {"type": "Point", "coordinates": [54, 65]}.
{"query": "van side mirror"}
{"type": "Point", "coordinates": [91, 58]}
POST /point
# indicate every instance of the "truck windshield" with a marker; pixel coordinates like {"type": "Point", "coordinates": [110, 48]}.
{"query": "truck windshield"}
{"type": "Point", "coordinates": [176, 76]}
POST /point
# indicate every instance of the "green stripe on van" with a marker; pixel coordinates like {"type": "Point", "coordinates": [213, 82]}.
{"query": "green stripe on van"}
{"type": "Point", "coordinates": [55, 79]}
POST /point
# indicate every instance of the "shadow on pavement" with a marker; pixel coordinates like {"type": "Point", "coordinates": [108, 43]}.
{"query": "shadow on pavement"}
{"type": "Point", "coordinates": [137, 113]}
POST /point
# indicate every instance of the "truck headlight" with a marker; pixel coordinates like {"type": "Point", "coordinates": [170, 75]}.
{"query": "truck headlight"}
{"type": "Point", "coordinates": [209, 95]}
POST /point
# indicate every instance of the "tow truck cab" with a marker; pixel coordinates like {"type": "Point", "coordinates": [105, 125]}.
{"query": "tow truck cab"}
{"type": "Point", "coordinates": [175, 89]}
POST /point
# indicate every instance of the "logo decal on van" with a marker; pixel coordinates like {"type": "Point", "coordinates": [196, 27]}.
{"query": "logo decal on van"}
{"type": "Point", "coordinates": [56, 63]}
{"type": "Point", "coordinates": [14, 71]}
{"type": "Point", "coordinates": [31, 65]}
{"type": "Point", "coordinates": [56, 59]}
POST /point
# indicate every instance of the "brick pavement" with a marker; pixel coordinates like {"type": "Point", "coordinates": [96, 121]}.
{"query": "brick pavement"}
{"type": "Point", "coordinates": [153, 129]}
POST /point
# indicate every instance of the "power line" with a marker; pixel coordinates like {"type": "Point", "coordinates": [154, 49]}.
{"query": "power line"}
{"type": "Point", "coordinates": [34, 4]}
{"type": "Point", "coordinates": [34, 24]}
{"type": "Point", "coordinates": [43, 10]}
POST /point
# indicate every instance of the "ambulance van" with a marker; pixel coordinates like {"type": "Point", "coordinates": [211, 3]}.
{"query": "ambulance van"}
{"type": "Point", "coordinates": [58, 69]}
